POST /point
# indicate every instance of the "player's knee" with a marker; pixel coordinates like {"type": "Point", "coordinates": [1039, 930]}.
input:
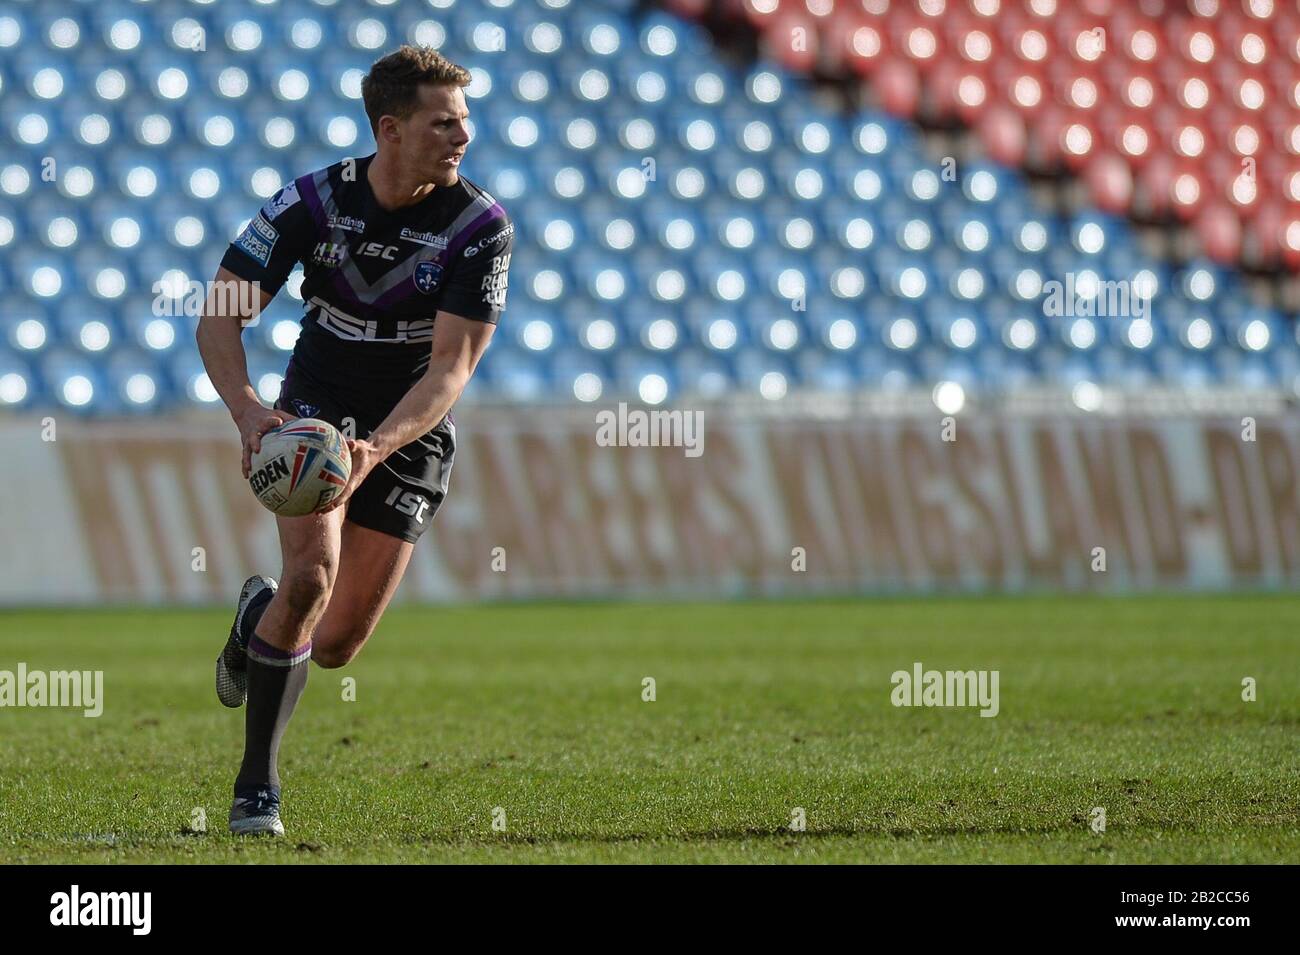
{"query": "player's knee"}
{"type": "Point", "coordinates": [306, 589]}
{"type": "Point", "coordinates": [332, 656]}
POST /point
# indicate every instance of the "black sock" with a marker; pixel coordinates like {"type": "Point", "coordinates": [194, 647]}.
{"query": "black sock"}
{"type": "Point", "coordinates": [253, 615]}
{"type": "Point", "coordinates": [276, 679]}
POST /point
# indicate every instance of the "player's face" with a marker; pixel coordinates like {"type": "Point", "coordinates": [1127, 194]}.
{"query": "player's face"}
{"type": "Point", "coordinates": [435, 136]}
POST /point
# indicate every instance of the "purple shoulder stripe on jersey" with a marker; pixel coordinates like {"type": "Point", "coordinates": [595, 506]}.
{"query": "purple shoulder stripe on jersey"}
{"type": "Point", "coordinates": [307, 189]}
{"type": "Point", "coordinates": [461, 238]}
{"type": "Point", "coordinates": [311, 195]}
{"type": "Point", "coordinates": [343, 287]}
{"type": "Point", "coordinates": [404, 290]}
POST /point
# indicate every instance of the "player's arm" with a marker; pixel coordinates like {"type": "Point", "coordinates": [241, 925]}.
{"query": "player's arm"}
{"type": "Point", "coordinates": [222, 350]}
{"type": "Point", "coordinates": [458, 344]}
{"type": "Point", "coordinates": [254, 269]}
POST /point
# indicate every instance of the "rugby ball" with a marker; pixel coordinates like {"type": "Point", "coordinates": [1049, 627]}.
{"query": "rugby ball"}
{"type": "Point", "coordinates": [302, 466]}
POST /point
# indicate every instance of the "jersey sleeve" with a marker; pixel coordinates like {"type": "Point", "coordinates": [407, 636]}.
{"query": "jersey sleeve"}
{"type": "Point", "coordinates": [278, 237]}
{"type": "Point", "coordinates": [480, 274]}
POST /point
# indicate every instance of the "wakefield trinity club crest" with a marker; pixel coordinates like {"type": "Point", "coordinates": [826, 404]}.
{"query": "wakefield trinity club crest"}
{"type": "Point", "coordinates": [427, 276]}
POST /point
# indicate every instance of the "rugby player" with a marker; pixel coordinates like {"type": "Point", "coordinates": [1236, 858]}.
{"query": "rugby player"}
{"type": "Point", "coordinates": [405, 267]}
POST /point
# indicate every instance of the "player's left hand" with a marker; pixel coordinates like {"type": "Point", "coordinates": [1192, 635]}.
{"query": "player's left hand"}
{"type": "Point", "coordinates": [365, 456]}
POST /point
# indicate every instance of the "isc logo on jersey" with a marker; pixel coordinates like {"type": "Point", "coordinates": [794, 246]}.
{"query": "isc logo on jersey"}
{"type": "Point", "coordinates": [408, 503]}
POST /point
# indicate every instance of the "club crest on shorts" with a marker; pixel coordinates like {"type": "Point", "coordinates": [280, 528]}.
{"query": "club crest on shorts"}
{"type": "Point", "coordinates": [427, 276]}
{"type": "Point", "coordinates": [304, 409]}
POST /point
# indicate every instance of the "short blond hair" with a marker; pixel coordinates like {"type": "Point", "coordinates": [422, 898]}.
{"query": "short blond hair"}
{"type": "Point", "coordinates": [392, 87]}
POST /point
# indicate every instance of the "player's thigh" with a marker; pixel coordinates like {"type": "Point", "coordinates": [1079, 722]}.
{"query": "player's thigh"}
{"type": "Point", "coordinates": [371, 565]}
{"type": "Point", "coordinates": [309, 548]}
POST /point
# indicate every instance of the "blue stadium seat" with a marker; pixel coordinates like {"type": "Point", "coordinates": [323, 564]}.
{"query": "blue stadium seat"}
{"type": "Point", "coordinates": [684, 226]}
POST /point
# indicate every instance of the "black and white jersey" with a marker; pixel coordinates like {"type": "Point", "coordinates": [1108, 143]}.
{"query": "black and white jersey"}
{"type": "Point", "coordinates": [373, 280]}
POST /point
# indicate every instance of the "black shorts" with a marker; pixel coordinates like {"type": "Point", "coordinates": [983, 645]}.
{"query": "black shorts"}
{"type": "Point", "coordinates": [401, 495]}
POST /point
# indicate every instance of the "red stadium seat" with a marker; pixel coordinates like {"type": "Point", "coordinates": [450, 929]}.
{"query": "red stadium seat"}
{"type": "Point", "coordinates": [1002, 131]}
{"type": "Point", "coordinates": [868, 46]}
{"type": "Point", "coordinates": [898, 85]}
{"type": "Point", "coordinates": [1110, 182]}
{"type": "Point", "coordinates": [792, 38]}
{"type": "Point", "coordinates": [1219, 230]}
{"type": "Point", "coordinates": [1160, 106]}
{"type": "Point", "coordinates": [837, 33]}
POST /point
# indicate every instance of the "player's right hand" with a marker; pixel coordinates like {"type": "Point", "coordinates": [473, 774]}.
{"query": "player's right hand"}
{"type": "Point", "coordinates": [254, 423]}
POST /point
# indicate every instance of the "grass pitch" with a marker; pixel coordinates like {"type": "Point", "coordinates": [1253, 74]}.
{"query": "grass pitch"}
{"type": "Point", "coordinates": [1133, 705]}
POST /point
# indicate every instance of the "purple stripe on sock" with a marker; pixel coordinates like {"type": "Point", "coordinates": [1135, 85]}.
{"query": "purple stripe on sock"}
{"type": "Point", "coordinates": [279, 663]}
{"type": "Point", "coordinates": [263, 649]}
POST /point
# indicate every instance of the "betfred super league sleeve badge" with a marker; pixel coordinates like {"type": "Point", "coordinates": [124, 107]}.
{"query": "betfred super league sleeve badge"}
{"type": "Point", "coordinates": [258, 240]}
{"type": "Point", "coordinates": [427, 276]}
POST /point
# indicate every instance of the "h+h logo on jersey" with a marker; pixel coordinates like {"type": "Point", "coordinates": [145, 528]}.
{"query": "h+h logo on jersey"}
{"type": "Point", "coordinates": [329, 254]}
{"type": "Point", "coordinates": [427, 276]}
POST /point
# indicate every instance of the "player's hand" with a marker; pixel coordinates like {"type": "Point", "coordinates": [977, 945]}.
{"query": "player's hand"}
{"type": "Point", "coordinates": [365, 456]}
{"type": "Point", "coordinates": [253, 423]}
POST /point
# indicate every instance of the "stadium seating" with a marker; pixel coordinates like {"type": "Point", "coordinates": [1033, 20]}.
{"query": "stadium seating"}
{"type": "Point", "coordinates": [1165, 107]}
{"type": "Point", "coordinates": [684, 227]}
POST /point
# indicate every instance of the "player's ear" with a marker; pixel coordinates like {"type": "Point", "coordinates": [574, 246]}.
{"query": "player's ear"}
{"type": "Point", "coordinates": [388, 130]}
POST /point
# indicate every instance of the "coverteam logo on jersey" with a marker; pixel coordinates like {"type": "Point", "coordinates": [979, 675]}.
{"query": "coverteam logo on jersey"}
{"type": "Point", "coordinates": [474, 249]}
{"type": "Point", "coordinates": [427, 276]}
